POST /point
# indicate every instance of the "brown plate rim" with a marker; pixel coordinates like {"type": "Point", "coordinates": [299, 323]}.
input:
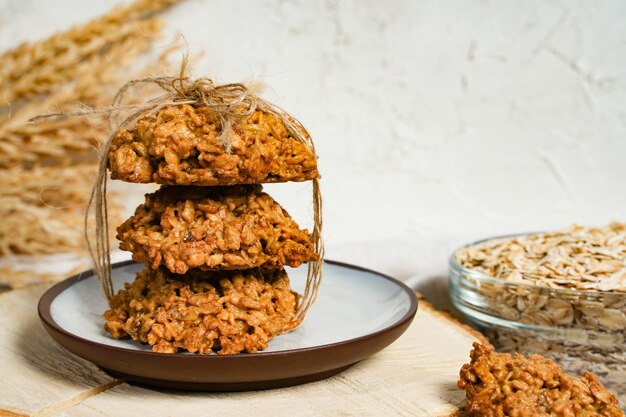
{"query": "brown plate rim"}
{"type": "Point", "coordinates": [241, 372]}
{"type": "Point", "coordinates": [45, 302]}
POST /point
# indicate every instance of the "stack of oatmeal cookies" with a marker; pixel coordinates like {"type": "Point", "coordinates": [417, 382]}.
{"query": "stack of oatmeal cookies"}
{"type": "Point", "coordinates": [214, 244]}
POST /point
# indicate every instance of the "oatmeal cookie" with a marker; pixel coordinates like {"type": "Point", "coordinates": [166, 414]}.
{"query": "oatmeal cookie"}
{"type": "Point", "coordinates": [498, 385]}
{"type": "Point", "coordinates": [181, 144]}
{"type": "Point", "coordinates": [230, 227]}
{"type": "Point", "coordinates": [226, 312]}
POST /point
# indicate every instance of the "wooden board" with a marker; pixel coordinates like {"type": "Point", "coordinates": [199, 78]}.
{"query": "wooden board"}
{"type": "Point", "coordinates": [415, 376]}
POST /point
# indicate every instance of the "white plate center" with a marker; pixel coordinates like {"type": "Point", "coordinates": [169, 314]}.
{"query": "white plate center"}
{"type": "Point", "coordinates": [351, 303]}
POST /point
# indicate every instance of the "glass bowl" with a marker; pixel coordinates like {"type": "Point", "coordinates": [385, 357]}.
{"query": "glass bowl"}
{"type": "Point", "coordinates": [582, 330]}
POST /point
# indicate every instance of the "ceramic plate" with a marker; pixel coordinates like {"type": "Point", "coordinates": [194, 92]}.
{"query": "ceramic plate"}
{"type": "Point", "coordinates": [358, 312]}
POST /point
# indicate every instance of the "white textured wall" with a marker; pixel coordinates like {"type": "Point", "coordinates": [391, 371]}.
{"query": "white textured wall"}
{"type": "Point", "coordinates": [431, 118]}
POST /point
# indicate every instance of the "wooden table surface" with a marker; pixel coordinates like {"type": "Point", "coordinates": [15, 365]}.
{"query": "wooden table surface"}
{"type": "Point", "coordinates": [415, 376]}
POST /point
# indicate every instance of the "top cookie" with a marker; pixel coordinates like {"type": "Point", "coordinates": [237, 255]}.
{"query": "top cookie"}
{"type": "Point", "coordinates": [181, 144]}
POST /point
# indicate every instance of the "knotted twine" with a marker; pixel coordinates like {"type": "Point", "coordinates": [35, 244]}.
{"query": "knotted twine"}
{"type": "Point", "coordinates": [230, 102]}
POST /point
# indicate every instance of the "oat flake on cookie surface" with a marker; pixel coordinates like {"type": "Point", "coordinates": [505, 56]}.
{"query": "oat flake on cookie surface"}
{"type": "Point", "coordinates": [218, 311]}
{"type": "Point", "coordinates": [211, 228]}
{"type": "Point", "coordinates": [182, 144]}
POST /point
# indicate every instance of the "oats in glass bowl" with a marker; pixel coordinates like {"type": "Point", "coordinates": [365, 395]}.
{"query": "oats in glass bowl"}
{"type": "Point", "coordinates": [561, 294]}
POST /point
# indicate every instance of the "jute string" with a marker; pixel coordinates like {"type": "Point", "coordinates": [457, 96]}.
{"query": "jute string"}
{"type": "Point", "coordinates": [230, 102]}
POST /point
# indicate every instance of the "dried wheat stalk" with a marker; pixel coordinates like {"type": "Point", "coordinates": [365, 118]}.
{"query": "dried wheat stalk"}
{"type": "Point", "coordinates": [47, 168]}
{"type": "Point", "coordinates": [56, 141]}
{"type": "Point", "coordinates": [39, 67]}
{"type": "Point", "coordinates": [43, 209]}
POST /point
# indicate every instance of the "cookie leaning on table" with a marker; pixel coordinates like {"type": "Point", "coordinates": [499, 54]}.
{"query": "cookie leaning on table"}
{"type": "Point", "coordinates": [184, 144]}
{"type": "Point", "coordinates": [231, 227]}
{"type": "Point", "coordinates": [499, 384]}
